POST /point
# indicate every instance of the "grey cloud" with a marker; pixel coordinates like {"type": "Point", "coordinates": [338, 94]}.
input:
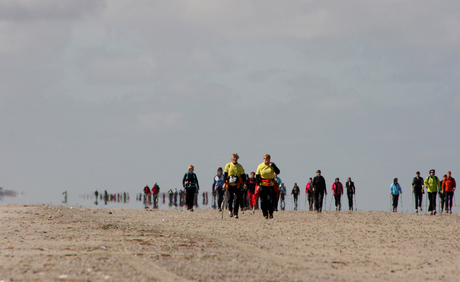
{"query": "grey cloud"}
{"type": "Point", "coordinates": [48, 10]}
{"type": "Point", "coordinates": [260, 76]}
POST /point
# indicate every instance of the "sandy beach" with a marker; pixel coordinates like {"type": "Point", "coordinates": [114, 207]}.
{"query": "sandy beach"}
{"type": "Point", "coordinates": [52, 242]}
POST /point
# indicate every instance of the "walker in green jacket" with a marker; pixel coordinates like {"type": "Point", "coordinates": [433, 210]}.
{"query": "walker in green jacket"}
{"type": "Point", "coordinates": [432, 183]}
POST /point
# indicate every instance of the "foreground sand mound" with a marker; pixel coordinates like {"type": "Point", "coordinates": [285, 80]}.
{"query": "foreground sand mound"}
{"type": "Point", "coordinates": [42, 242]}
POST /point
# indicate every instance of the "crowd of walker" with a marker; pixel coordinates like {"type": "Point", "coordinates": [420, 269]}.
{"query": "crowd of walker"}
{"type": "Point", "coordinates": [444, 188]}
{"type": "Point", "coordinates": [233, 189]}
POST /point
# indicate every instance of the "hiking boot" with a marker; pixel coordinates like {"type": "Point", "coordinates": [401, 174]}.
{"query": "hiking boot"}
{"type": "Point", "coordinates": [266, 217]}
{"type": "Point", "coordinates": [236, 216]}
{"type": "Point", "coordinates": [271, 216]}
{"type": "Point", "coordinates": [230, 213]}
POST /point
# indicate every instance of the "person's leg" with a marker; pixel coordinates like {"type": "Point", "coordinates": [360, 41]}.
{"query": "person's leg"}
{"type": "Point", "coordinates": [311, 199]}
{"type": "Point", "coordinates": [251, 205]}
{"type": "Point", "coordinates": [264, 202]}
{"type": "Point", "coordinates": [316, 201]}
{"type": "Point", "coordinates": [190, 197]}
{"type": "Point", "coordinates": [441, 200]}
{"type": "Point", "coordinates": [271, 197]}
{"type": "Point", "coordinates": [449, 201]}
{"type": "Point", "coordinates": [430, 204]}
{"type": "Point", "coordinates": [432, 196]}
{"type": "Point", "coordinates": [275, 200]}
{"type": "Point", "coordinates": [350, 201]}
{"type": "Point", "coordinates": [230, 199]}
{"type": "Point", "coordinates": [220, 197]}
{"type": "Point", "coordinates": [421, 199]}
{"type": "Point", "coordinates": [237, 201]}
{"type": "Point", "coordinates": [320, 201]}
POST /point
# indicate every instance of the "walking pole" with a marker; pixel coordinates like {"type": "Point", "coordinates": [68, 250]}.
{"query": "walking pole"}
{"type": "Point", "coordinates": [325, 200]}
{"type": "Point", "coordinates": [330, 205]}
{"type": "Point", "coordinates": [356, 206]}
{"type": "Point", "coordinates": [224, 200]}
{"type": "Point", "coordinates": [439, 201]}
{"type": "Point", "coordinates": [305, 201]}
{"type": "Point", "coordinates": [340, 203]}
{"type": "Point", "coordinates": [455, 204]}
{"type": "Point", "coordinates": [426, 201]}
{"type": "Point", "coordinates": [413, 199]}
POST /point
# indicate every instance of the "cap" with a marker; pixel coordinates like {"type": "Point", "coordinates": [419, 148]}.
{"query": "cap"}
{"type": "Point", "coordinates": [418, 172]}
{"type": "Point", "coordinates": [318, 171]}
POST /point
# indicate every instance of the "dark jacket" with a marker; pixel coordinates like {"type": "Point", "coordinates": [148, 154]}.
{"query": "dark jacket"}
{"type": "Point", "coordinates": [417, 183]}
{"type": "Point", "coordinates": [319, 184]}
{"type": "Point", "coordinates": [350, 187]}
{"type": "Point", "coordinates": [190, 180]}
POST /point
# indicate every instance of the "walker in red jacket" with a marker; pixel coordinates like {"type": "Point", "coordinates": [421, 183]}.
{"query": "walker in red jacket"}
{"type": "Point", "coordinates": [337, 189]}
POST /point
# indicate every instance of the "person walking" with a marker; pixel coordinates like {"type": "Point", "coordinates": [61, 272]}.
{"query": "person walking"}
{"type": "Point", "coordinates": [244, 194]}
{"type": "Point", "coordinates": [217, 187]}
{"type": "Point", "coordinates": [433, 185]}
{"type": "Point", "coordinates": [442, 194]}
{"type": "Point", "coordinates": [310, 194]}
{"type": "Point", "coordinates": [147, 194]}
{"type": "Point", "coordinates": [350, 186]}
{"type": "Point", "coordinates": [282, 192]}
{"type": "Point", "coordinates": [234, 178]}
{"type": "Point", "coordinates": [319, 186]}
{"type": "Point", "coordinates": [395, 190]}
{"type": "Point", "coordinates": [337, 191]}
{"type": "Point", "coordinates": [417, 189]}
{"type": "Point", "coordinates": [448, 188]}
{"type": "Point", "coordinates": [265, 176]}
{"type": "Point", "coordinates": [295, 193]}
{"type": "Point", "coordinates": [276, 197]}
{"type": "Point", "coordinates": [252, 191]}
{"type": "Point", "coordinates": [190, 183]}
{"type": "Point", "coordinates": [155, 192]}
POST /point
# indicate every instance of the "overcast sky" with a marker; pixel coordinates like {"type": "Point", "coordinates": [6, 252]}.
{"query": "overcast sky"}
{"type": "Point", "coordinates": [119, 94]}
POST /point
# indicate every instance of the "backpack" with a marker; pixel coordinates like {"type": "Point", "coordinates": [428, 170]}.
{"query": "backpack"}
{"type": "Point", "coordinates": [190, 179]}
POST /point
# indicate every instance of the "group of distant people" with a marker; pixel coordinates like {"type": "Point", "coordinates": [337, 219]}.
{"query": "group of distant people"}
{"type": "Point", "coordinates": [151, 195]}
{"type": "Point", "coordinates": [316, 189]}
{"type": "Point", "coordinates": [233, 188]}
{"type": "Point", "coordinates": [108, 197]}
{"type": "Point", "coordinates": [444, 188]}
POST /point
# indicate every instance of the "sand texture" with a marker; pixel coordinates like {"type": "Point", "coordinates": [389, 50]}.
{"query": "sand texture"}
{"type": "Point", "coordinates": [62, 243]}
